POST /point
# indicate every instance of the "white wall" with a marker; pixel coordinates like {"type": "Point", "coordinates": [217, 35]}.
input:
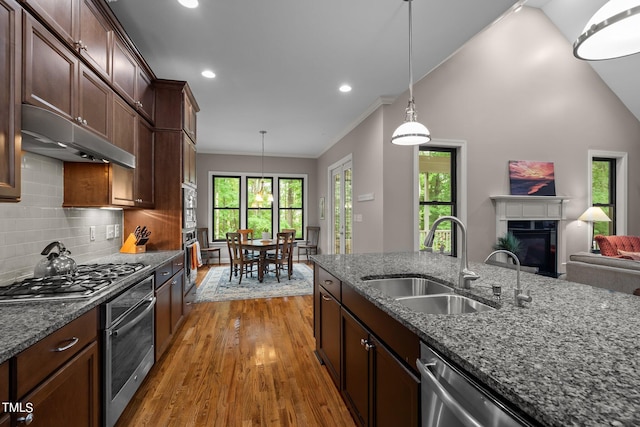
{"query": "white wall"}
{"type": "Point", "coordinates": [38, 219]}
{"type": "Point", "coordinates": [514, 92]}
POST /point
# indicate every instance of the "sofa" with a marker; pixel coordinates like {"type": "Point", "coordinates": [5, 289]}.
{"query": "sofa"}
{"type": "Point", "coordinates": [617, 267]}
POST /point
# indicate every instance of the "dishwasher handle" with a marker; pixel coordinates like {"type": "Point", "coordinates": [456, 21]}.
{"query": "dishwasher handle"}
{"type": "Point", "coordinates": [454, 406]}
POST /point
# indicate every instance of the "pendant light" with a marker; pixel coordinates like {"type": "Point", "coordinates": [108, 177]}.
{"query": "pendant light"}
{"type": "Point", "coordinates": [260, 195]}
{"type": "Point", "coordinates": [612, 32]}
{"type": "Point", "coordinates": [411, 132]}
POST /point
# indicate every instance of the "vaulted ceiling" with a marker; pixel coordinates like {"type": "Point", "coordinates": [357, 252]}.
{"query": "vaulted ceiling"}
{"type": "Point", "coordinates": [279, 63]}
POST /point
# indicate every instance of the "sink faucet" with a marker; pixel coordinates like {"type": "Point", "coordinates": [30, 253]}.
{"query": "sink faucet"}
{"type": "Point", "coordinates": [519, 295]}
{"type": "Point", "coordinates": [465, 276]}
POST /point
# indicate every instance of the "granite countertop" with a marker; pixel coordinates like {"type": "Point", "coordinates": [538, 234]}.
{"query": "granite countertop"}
{"type": "Point", "coordinates": [571, 357]}
{"type": "Point", "coordinates": [22, 324]}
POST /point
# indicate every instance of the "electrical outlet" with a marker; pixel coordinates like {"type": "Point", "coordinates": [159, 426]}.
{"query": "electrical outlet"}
{"type": "Point", "coordinates": [116, 230]}
{"type": "Point", "coordinates": [110, 231]}
{"type": "Point", "coordinates": [92, 233]}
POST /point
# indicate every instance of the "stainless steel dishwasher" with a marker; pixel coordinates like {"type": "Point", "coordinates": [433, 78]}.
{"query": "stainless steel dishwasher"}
{"type": "Point", "coordinates": [450, 399]}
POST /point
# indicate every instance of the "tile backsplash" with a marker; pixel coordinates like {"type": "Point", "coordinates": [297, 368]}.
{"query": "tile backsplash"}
{"type": "Point", "coordinates": [38, 219]}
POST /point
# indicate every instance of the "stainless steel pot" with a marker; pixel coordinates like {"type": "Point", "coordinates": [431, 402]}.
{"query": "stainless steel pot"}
{"type": "Point", "coordinates": [55, 263]}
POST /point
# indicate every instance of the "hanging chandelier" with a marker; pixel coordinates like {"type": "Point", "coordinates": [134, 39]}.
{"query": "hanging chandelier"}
{"type": "Point", "coordinates": [612, 32]}
{"type": "Point", "coordinates": [261, 193]}
{"type": "Point", "coordinates": [411, 132]}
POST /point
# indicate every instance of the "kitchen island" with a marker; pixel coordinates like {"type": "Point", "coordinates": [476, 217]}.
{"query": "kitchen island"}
{"type": "Point", "coordinates": [22, 324]}
{"type": "Point", "coordinates": [568, 358]}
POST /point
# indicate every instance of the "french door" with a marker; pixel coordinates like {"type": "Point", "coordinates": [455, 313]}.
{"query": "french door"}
{"type": "Point", "coordinates": [341, 210]}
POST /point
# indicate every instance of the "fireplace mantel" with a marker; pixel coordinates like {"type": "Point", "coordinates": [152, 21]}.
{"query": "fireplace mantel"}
{"type": "Point", "coordinates": [535, 208]}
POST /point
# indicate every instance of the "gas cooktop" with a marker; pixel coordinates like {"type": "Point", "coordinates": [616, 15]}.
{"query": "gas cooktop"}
{"type": "Point", "coordinates": [86, 282]}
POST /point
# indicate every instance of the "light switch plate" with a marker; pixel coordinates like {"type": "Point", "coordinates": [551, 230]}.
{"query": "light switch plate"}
{"type": "Point", "coordinates": [116, 230]}
{"type": "Point", "coordinates": [92, 233]}
{"type": "Point", "coordinates": [110, 231]}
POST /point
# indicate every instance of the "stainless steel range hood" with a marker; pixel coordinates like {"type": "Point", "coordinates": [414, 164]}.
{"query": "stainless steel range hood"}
{"type": "Point", "coordinates": [48, 134]}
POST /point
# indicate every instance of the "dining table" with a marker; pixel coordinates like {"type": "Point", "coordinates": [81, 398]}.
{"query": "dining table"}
{"type": "Point", "coordinates": [264, 246]}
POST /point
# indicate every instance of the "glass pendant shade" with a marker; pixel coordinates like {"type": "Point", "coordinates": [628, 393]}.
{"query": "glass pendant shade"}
{"type": "Point", "coordinates": [612, 32]}
{"type": "Point", "coordinates": [411, 133]}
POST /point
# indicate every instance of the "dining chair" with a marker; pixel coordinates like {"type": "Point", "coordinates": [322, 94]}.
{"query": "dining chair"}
{"type": "Point", "coordinates": [206, 250]}
{"type": "Point", "coordinates": [246, 233]}
{"type": "Point", "coordinates": [283, 255]}
{"type": "Point", "coordinates": [239, 261]}
{"type": "Point", "coordinates": [290, 230]}
{"type": "Point", "coordinates": [311, 244]}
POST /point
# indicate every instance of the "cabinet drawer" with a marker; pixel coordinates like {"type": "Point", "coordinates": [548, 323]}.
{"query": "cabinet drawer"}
{"type": "Point", "coordinates": [178, 264]}
{"type": "Point", "coordinates": [164, 273]}
{"type": "Point", "coordinates": [4, 383]}
{"type": "Point", "coordinates": [330, 283]}
{"type": "Point", "coordinates": [38, 361]}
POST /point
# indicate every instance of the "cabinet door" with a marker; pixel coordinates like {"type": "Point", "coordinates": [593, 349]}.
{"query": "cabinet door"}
{"type": "Point", "coordinates": [95, 103]}
{"type": "Point", "coordinates": [10, 63]}
{"type": "Point", "coordinates": [329, 337]}
{"type": "Point", "coordinates": [144, 179]}
{"type": "Point", "coordinates": [176, 300]}
{"type": "Point", "coordinates": [95, 38]}
{"type": "Point", "coordinates": [70, 396]}
{"type": "Point", "coordinates": [396, 391]}
{"type": "Point", "coordinates": [50, 71]}
{"type": "Point", "coordinates": [125, 71]}
{"type": "Point", "coordinates": [145, 95]}
{"type": "Point", "coordinates": [189, 117]}
{"type": "Point", "coordinates": [356, 368]}
{"type": "Point", "coordinates": [163, 318]}
{"type": "Point", "coordinates": [61, 15]}
{"type": "Point", "coordinates": [189, 160]}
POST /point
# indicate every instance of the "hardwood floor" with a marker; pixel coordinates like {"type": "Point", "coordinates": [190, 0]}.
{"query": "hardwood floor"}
{"type": "Point", "coordinates": [241, 363]}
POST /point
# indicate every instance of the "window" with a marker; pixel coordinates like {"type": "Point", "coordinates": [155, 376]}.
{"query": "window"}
{"type": "Point", "coordinates": [290, 212]}
{"type": "Point", "coordinates": [226, 205]}
{"type": "Point", "coordinates": [437, 195]}
{"type": "Point", "coordinates": [603, 193]}
{"type": "Point", "coordinates": [259, 212]}
{"type": "Point", "coordinates": [234, 204]}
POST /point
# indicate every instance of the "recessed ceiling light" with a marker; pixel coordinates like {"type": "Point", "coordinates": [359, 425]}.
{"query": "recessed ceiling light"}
{"type": "Point", "coordinates": [208, 74]}
{"type": "Point", "coordinates": [345, 88]}
{"type": "Point", "coordinates": [189, 3]}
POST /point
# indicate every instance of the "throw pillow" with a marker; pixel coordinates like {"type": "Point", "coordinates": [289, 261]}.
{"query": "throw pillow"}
{"type": "Point", "coordinates": [630, 255]}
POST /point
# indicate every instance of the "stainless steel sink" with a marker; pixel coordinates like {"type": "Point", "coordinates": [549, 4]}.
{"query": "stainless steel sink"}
{"type": "Point", "coordinates": [408, 286]}
{"type": "Point", "coordinates": [444, 304]}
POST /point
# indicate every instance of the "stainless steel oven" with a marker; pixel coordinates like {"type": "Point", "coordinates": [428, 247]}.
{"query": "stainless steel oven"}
{"type": "Point", "coordinates": [189, 206]}
{"type": "Point", "coordinates": [128, 321]}
{"type": "Point", "coordinates": [189, 239]}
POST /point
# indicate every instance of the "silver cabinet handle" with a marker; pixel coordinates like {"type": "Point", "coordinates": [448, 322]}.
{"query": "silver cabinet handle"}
{"type": "Point", "coordinates": [74, 341]}
{"type": "Point", "coordinates": [454, 406]}
{"type": "Point", "coordinates": [27, 419]}
{"type": "Point", "coordinates": [328, 282]}
{"type": "Point", "coordinates": [326, 298]}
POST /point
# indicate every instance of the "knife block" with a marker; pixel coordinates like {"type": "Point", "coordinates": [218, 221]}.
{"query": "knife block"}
{"type": "Point", "coordinates": [130, 247]}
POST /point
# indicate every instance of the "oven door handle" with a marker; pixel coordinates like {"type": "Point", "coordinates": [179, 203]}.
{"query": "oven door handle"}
{"type": "Point", "coordinates": [138, 319]}
{"type": "Point", "coordinates": [454, 406]}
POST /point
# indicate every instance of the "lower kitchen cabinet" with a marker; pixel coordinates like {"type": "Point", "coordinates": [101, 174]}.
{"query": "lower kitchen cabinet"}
{"type": "Point", "coordinates": [69, 397]}
{"type": "Point", "coordinates": [377, 387]}
{"type": "Point", "coordinates": [368, 355]}
{"type": "Point", "coordinates": [5, 419]}
{"type": "Point", "coordinates": [169, 303]}
{"type": "Point", "coordinates": [58, 378]}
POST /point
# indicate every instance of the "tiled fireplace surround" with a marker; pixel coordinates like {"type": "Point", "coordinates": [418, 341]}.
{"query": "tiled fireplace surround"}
{"type": "Point", "coordinates": [38, 219]}
{"type": "Point", "coordinates": [533, 208]}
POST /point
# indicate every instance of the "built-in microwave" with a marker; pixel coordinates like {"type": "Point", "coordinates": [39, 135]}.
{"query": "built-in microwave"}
{"type": "Point", "coordinates": [189, 205]}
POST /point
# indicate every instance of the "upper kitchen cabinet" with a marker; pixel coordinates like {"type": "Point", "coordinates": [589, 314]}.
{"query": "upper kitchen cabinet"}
{"type": "Point", "coordinates": [132, 80]}
{"type": "Point", "coordinates": [10, 63]}
{"type": "Point", "coordinates": [144, 173]}
{"type": "Point", "coordinates": [177, 107]}
{"type": "Point", "coordinates": [55, 79]}
{"type": "Point", "coordinates": [83, 28]}
{"type": "Point", "coordinates": [189, 111]}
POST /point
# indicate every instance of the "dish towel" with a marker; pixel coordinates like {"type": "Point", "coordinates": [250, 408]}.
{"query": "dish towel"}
{"type": "Point", "coordinates": [196, 256]}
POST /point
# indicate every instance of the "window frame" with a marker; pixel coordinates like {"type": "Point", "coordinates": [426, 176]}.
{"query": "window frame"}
{"type": "Point", "coordinates": [453, 203]}
{"type": "Point", "coordinates": [612, 203]}
{"type": "Point", "coordinates": [214, 208]}
{"type": "Point", "coordinates": [280, 209]}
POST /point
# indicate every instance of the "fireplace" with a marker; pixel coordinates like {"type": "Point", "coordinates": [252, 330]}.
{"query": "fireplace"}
{"type": "Point", "coordinates": [538, 222]}
{"type": "Point", "coordinates": [539, 242]}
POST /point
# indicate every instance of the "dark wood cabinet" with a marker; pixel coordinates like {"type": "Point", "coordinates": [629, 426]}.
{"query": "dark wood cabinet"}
{"type": "Point", "coordinates": [59, 376]}
{"type": "Point", "coordinates": [329, 338]}
{"type": "Point", "coordinates": [169, 279]}
{"type": "Point", "coordinates": [145, 94]}
{"type": "Point", "coordinates": [371, 355]}
{"type": "Point", "coordinates": [4, 390]}
{"type": "Point", "coordinates": [189, 161]}
{"type": "Point", "coordinates": [189, 111]}
{"type": "Point", "coordinates": [61, 15]}
{"type": "Point", "coordinates": [125, 71]}
{"type": "Point", "coordinates": [70, 396]}
{"type": "Point", "coordinates": [94, 40]}
{"type": "Point", "coordinates": [10, 98]}
{"type": "Point", "coordinates": [55, 79]}
{"type": "Point", "coordinates": [144, 172]}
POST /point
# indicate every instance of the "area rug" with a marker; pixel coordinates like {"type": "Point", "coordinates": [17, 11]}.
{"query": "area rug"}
{"type": "Point", "coordinates": [217, 287]}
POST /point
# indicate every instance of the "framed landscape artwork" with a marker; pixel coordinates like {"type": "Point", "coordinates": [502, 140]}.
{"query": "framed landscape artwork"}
{"type": "Point", "coordinates": [529, 178]}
